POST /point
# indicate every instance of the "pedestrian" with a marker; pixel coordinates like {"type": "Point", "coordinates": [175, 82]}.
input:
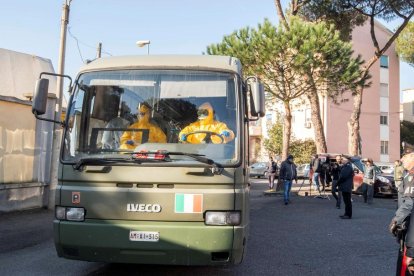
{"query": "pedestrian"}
{"type": "Point", "coordinates": [335, 170]}
{"type": "Point", "coordinates": [316, 168]}
{"type": "Point", "coordinates": [271, 173]}
{"type": "Point", "coordinates": [287, 174]}
{"type": "Point", "coordinates": [324, 177]}
{"type": "Point", "coordinates": [368, 181]}
{"type": "Point", "coordinates": [398, 178]}
{"type": "Point", "coordinates": [401, 226]}
{"type": "Point", "coordinates": [345, 183]}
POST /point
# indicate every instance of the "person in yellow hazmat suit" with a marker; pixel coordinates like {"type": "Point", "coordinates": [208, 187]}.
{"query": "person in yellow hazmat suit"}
{"type": "Point", "coordinates": [206, 129]}
{"type": "Point", "coordinates": [131, 139]}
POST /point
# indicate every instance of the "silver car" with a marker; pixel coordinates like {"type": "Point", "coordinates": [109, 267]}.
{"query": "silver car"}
{"type": "Point", "coordinates": [258, 170]}
{"type": "Point", "coordinates": [303, 171]}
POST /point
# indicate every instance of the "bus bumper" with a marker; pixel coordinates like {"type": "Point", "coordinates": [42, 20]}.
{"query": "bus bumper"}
{"type": "Point", "coordinates": [180, 243]}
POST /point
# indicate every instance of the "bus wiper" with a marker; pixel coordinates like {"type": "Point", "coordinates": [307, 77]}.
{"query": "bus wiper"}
{"type": "Point", "coordinates": [216, 168]}
{"type": "Point", "coordinates": [98, 161]}
{"type": "Point", "coordinates": [164, 155]}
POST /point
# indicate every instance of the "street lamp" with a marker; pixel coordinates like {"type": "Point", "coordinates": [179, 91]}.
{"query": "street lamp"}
{"type": "Point", "coordinates": [142, 43]}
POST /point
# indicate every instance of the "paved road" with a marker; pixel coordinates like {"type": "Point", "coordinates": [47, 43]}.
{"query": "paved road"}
{"type": "Point", "coordinates": [303, 238]}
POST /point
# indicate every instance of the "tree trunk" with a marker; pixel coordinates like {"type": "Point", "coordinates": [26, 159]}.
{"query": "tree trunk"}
{"type": "Point", "coordinates": [287, 130]}
{"type": "Point", "coordinates": [319, 133]}
{"type": "Point", "coordinates": [281, 14]}
{"type": "Point", "coordinates": [354, 140]}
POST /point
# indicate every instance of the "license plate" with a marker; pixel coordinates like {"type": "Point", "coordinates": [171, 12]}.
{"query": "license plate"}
{"type": "Point", "coordinates": [144, 236]}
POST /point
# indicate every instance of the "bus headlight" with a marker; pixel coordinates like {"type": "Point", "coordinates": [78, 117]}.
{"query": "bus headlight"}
{"type": "Point", "coordinates": [223, 218]}
{"type": "Point", "coordinates": [70, 213]}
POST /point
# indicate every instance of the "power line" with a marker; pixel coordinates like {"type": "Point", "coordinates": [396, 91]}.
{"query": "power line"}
{"type": "Point", "coordinates": [84, 44]}
{"type": "Point", "coordinates": [77, 44]}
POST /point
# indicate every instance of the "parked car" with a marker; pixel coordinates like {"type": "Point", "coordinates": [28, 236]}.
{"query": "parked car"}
{"type": "Point", "coordinates": [386, 168]}
{"type": "Point", "coordinates": [258, 170]}
{"type": "Point", "coordinates": [303, 171]}
{"type": "Point", "coordinates": [384, 184]}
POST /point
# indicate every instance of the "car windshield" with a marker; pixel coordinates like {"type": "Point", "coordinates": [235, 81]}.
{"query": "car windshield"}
{"type": "Point", "coordinates": [118, 112]}
{"type": "Point", "coordinates": [361, 166]}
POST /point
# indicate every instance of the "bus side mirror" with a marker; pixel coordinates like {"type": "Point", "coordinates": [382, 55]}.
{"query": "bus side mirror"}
{"type": "Point", "coordinates": [40, 97]}
{"type": "Point", "coordinates": [257, 104]}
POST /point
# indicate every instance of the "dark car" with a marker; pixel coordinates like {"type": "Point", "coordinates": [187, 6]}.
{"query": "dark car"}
{"type": "Point", "coordinates": [258, 170]}
{"type": "Point", "coordinates": [384, 184]}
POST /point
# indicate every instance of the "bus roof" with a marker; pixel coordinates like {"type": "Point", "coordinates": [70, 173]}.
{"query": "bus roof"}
{"type": "Point", "coordinates": [194, 62]}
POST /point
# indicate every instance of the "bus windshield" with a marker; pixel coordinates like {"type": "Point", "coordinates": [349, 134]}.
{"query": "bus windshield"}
{"type": "Point", "coordinates": [116, 113]}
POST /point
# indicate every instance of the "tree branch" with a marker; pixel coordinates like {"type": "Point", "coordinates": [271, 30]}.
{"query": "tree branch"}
{"type": "Point", "coordinates": [281, 14]}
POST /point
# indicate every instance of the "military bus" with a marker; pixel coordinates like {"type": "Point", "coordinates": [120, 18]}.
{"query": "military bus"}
{"type": "Point", "coordinates": [135, 193]}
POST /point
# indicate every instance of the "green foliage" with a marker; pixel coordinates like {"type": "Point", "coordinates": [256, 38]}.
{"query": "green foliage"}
{"type": "Point", "coordinates": [302, 150]}
{"type": "Point", "coordinates": [405, 46]}
{"type": "Point", "coordinates": [334, 12]}
{"type": "Point", "coordinates": [274, 143]}
{"type": "Point", "coordinates": [407, 132]}
{"type": "Point", "coordinates": [291, 62]}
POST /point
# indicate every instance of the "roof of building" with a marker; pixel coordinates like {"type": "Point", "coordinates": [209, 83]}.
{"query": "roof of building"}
{"type": "Point", "coordinates": [19, 72]}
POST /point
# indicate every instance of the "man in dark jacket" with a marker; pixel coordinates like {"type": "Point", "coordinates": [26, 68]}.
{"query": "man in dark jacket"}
{"type": "Point", "coordinates": [335, 170]}
{"type": "Point", "coordinates": [316, 168]}
{"type": "Point", "coordinates": [287, 174]}
{"type": "Point", "coordinates": [346, 183]}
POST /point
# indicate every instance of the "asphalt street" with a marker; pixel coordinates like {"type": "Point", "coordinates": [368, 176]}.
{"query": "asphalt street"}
{"type": "Point", "coordinates": [305, 237]}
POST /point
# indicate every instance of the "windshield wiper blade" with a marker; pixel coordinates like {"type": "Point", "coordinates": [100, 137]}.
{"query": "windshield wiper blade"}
{"type": "Point", "coordinates": [99, 161]}
{"type": "Point", "coordinates": [216, 167]}
{"type": "Point", "coordinates": [164, 155]}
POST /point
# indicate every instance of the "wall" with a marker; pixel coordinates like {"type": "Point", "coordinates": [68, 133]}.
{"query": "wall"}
{"type": "Point", "coordinates": [25, 147]}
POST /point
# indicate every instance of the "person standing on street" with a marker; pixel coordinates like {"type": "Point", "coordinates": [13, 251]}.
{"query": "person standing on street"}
{"type": "Point", "coordinates": [401, 226]}
{"type": "Point", "coordinates": [271, 172]}
{"type": "Point", "coordinates": [345, 183]}
{"type": "Point", "coordinates": [316, 168]}
{"type": "Point", "coordinates": [335, 170]}
{"type": "Point", "coordinates": [368, 181]}
{"type": "Point", "coordinates": [398, 177]}
{"type": "Point", "coordinates": [287, 174]}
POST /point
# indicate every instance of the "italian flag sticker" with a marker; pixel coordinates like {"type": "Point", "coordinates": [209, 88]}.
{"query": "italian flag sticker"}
{"type": "Point", "coordinates": [188, 203]}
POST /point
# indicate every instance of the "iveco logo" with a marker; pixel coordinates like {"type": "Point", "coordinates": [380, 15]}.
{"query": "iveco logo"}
{"type": "Point", "coordinates": [148, 208]}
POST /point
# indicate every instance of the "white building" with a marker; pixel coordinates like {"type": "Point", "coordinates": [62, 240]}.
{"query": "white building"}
{"type": "Point", "coordinates": [407, 112]}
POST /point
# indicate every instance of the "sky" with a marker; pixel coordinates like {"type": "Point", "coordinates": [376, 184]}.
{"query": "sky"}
{"type": "Point", "coordinates": [173, 27]}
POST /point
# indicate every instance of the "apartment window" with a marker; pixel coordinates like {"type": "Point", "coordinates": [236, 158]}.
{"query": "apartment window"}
{"type": "Point", "coordinates": [384, 147]}
{"type": "Point", "coordinates": [384, 90]}
{"type": "Point", "coordinates": [384, 61]}
{"type": "Point", "coordinates": [384, 118]}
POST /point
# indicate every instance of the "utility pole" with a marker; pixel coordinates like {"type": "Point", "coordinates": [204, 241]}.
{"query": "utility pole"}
{"type": "Point", "coordinates": [62, 52]}
{"type": "Point", "coordinates": [57, 130]}
{"type": "Point", "coordinates": [99, 50]}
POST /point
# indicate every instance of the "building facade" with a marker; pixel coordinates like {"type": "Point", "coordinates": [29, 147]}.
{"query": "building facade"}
{"type": "Point", "coordinates": [379, 121]}
{"type": "Point", "coordinates": [407, 106]}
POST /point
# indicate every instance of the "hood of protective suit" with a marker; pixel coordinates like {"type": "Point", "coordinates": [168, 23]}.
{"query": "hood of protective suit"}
{"type": "Point", "coordinates": [205, 114]}
{"type": "Point", "coordinates": [144, 119]}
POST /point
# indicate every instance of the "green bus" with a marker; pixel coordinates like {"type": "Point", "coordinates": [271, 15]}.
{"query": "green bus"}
{"type": "Point", "coordinates": [133, 192]}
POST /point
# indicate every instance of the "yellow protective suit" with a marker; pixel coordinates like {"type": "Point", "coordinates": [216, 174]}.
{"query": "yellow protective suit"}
{"type": "Point", "coordinates": [206, 122]}
{"type": "Point", "coordinates": [130, 139]}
